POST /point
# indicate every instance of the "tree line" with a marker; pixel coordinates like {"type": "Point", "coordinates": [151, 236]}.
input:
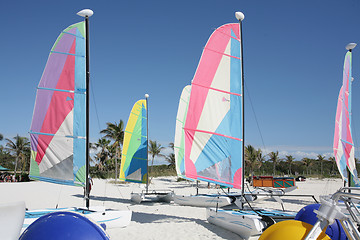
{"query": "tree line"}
{"type": "Point", "coordinates": [106, 160]}
{"type": "Point", "coordinates": [256, 163]}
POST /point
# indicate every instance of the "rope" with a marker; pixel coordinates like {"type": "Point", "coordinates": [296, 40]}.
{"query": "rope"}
{"type": "Point", "coordinates": [96, 111]}
{"type": "Point", "coordinates": [59, 195]}
{"type": "Point", "coordinates": [117, 187]}
{"type": "Point", "coordinates": [257, 123]}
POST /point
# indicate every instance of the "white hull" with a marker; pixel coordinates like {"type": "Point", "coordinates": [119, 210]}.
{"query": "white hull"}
{"type": "Point", "coordinates": [152, 197]}
{"type": "Point", "coordinates": [106, 218]}
{"type": "Point", "coordinates": [11, 220]}
{"type": "Point", "coordinates": [202, 200]}
{"type": "Point", "coordinates": [245, 225]}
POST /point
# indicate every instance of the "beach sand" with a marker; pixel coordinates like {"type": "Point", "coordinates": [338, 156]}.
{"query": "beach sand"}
{"type": "Point", "coordinates": [153, 220]}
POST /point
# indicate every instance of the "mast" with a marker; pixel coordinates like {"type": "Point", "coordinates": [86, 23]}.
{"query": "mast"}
{"type": "Point", "coordinates": [240, 17]}
{"type": "Point", "coordinates": [86, 13]}
{"type": "Point", "coordinates": [147, 141]}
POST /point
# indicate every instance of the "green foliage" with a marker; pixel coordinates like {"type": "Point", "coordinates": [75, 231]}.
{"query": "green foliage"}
{"type": "Point", "coordinates": [163, 170]}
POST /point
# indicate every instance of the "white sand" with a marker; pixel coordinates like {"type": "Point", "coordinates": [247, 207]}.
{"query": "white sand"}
{"type": "Point", "coordinates": [152, 220]}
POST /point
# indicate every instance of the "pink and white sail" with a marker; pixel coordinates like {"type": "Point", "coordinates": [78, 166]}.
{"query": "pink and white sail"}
{"type": "Point", "coordinates": [344, 150]}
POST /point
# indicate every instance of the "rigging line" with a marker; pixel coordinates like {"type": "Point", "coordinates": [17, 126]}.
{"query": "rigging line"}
{"type": "Point", "coordinates": [59, 196]}
{"type": "Point", "coordinates": [96, 111]}
{"type": "Point", "coordinates": [257, 123]}
{"type": "Point", "coordinates": [122, 197]}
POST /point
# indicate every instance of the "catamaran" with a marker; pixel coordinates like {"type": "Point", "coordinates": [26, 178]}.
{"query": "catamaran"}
{"type": "Point", "coordinates": [134, 162]}
{"type": "Point", "coordinates": [342, 205]}
{"type": "Point", "coordinates": [60, 125]}
{"type": "Point", "coordinates": [214, 131]}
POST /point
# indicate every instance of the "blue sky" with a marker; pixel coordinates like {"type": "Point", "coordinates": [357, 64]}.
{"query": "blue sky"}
{"type": "Point", "coordinates": [293, 58]}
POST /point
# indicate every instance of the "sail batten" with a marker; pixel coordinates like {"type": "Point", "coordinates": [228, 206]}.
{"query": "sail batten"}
{"type": "Point", "coordinates": [65, 53]}
{"type": "Point", "coordinates": [224, 54]}
{"type": "Point", "coordinates": [222, 135]}
{"type": "Point", "coordinates": [218, 90]}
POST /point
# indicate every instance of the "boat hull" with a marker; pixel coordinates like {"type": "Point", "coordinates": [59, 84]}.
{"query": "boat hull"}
{"type": "Point", "coordinates": [11, 219]}
{"type": "Point", "coordinates": [246, 223]}
{"type": "Point", "coordinates": [106, 218]}
{"type": "Point", "coordinates": [202, 200]}
{"type": "Point", "coordinates": [152, 197]}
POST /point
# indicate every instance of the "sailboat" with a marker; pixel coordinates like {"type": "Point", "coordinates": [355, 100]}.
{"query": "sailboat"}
{"type": "Point", "coordinates": [214, 129]}
{"type": "Point", "coordinates": [343, 204]}
{"type": "Point", "coordinates": [59, 130]}
{"type": "Point", "coordinates": [134, 162]}
{"type": "Point", "coordinates": [205, 200]}
{"type": "Point", "coordinates": [344, 150]}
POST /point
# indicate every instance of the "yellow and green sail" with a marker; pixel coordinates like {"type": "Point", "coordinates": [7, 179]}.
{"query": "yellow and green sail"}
{"type": "Point", "coordinates": [134, 158]}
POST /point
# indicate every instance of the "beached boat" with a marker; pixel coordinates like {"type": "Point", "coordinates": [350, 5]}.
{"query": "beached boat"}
{"type": "Point", "coordinates": [342, 205]}
{"type": "Point", "coordinates": [214, 128]}
{"type": "Point", "coordinates": [134, 163]}
{"type": "Point", "coordinates": [60, 125]}
{"type": "Point", "coordinates": [344, 150]}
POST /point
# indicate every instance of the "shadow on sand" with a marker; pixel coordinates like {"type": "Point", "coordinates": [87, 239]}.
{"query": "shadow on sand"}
{"type": "Point", "coordinates": [107, 199]}
{"type": "Point", "coordinates": [141, 218]}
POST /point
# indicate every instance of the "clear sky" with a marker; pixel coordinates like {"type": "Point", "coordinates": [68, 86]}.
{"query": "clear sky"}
{"type": "Point", "coordinates": [293, 59]}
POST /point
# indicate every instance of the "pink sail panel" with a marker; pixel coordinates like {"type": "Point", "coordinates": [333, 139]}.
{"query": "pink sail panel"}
{"type": "Point", "coordinates": [60, 106]}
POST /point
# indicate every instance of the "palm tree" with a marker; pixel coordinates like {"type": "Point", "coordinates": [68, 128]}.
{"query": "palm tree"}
{"type": "Point", "coordinates": [307, 162]}
{"type": "Point", "coordinates": [274, 157]}
{"type": "Point", "coordinates": [289, 160]}
{"type": "Point", "coordinates": [321, 159]}
{"type": "Point", "coordinates": [252, 158]}
{"type": "Point", "coordinates": [170, 159]}
{"type": "Point", "coordinates": [154, 150]}
{"type": "Point", "coordinates": [333, 164]}
{"type": "Point", "coordinates": [261, 158]}
{"type": "Point", "coordinates": [115, 132]}
{"type": "Point", "coordinates": [19, 148]}
{"type": "Point", "coordinates": [103, 153]}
